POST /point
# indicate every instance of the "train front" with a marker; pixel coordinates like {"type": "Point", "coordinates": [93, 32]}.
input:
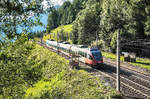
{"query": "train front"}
{"type": "Point", "coordinates": [97, 56]}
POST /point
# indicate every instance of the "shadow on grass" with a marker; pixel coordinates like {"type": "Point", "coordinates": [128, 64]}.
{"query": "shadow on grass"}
{"type": "Point", "coordinates": [90, 70]}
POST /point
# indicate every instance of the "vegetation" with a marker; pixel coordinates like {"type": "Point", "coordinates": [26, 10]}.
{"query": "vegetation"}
{"type": "Point", "coordinates": [74, 84]}
{"type": "Point", "coordinates": [29, 71]}
{"type": "Point", "coordinates": [141, 62]}
{"type": "Point", "coordinates": [16, 15]}
{"type": "Point", "coordinates": [59, 82]}
{"type": "Point", "coordinates": [64, 33]}
{"type": "Point", "coordinates": [87, 23]}
{"type": "Point", "coordinates": [15, 68]}
{"type": "Point", "coordinates": [131, 18]}
{"type": "Point", "coordinates": [66, 14]}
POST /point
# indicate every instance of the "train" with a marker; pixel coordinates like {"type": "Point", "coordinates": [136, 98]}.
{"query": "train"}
{"type": "Point", "coordinates": [90, 56]}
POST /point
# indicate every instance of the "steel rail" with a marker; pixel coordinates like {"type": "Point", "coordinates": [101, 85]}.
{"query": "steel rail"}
{"type": "Point", "coordinates": [125, 84]}
{"type": "Point", "coordinates": [132, 71]}
{"type": "Point", "coordinates": [141, 78]}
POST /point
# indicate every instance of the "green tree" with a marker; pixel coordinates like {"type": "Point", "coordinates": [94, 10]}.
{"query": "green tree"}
{"type": "Point", "coordinates": [147, 26]}
{"type": "Point", "coordinates": [65, 13]}
{"type": "Point", "coordinates": [15, 14]}
{"type": "Point", "coordinates": [113, 17]}
{"type": "Point", "coordinates": [53, 20]}
{"type": "Point", "coordinates": [147, 23]}
{"type": "Point", "coordinates": [14, 65]}
{"type": "Point", "coordinates": [87, 23]}
{"type": "Point", "coordinates": [75, 33]}
{"type": "Point", "coordinates": [16, 71]}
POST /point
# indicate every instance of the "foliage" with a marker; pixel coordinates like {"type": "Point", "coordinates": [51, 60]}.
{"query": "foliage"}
{"type": "Point", "coordinates": [14, 67]}
{"type": "Point", "coordinates": [147, 26]}
{"type": "Point", "coordinates": [73, 84]}
{"type": "Point", "coordinates": [22, 64]}
{"type": "Point", "coordinates": [109, 25]}
{"type": "Point", "coordinates": [131, 18]}
{"type": "Point", "coordinates": [16, 14]}
{"type": "Point", "coordinates": [53, 21]}
{"type": "Point", "coordinates": [66, 14]}
{"type": "Point", "coordinates": [144, 63]}
{"type": "Point", "coordinates": [51, 62]}
{"type": "Point", "coordinates": [31, 71]}
{"type": "Point", "coordinates": [87, 23]}
{"type": "Point", "coordinates": [16, 71]}
{"type": "Point", "coordinates": [64, 33]}
{"type": "Point", "coordinates": [38, 34]}
{"type": "Point", "coordinates": [111, 56]}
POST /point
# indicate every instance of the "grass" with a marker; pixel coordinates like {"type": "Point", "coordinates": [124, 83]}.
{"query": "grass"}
{"type": "Point", "coordinates": [111, 56]}
{"type": "Point", "coordinates": [141, 62]}
{"type": "Point", "coordinates": [144, 63]}
{"type": "Point", "coordinates": [1, 97]}
{"type": "Point", "coordinates": [67, 29]}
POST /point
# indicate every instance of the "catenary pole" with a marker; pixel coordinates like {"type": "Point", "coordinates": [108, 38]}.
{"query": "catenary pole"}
{"type": "Point", "coordinates": [118, 61]}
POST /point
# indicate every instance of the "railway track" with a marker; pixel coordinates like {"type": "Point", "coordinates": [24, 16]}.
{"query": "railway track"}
{"type": "Point", "coordinates": [133, 71]}
{"type": "Point", "coordinates": [141, 82]}
{"type": "Point", "coordinates": [132, 83]}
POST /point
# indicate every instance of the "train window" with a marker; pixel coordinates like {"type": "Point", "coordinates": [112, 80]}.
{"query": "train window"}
{"type": "Point", "coordinates": [71, 52]}
{"type": "Point", "coordinates": [85, 54]}
{"type": "Point", "coordinates": [90, 57]}
{"type": "Point", "coordinates": [80, 53]}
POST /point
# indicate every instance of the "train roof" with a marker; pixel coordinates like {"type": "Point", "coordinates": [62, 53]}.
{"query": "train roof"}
{"type": "Point", "coordinates": [82, 48]}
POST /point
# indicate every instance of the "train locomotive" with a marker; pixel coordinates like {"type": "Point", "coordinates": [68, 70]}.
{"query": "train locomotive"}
{"type": "Point", "coordinates": [90, 56]}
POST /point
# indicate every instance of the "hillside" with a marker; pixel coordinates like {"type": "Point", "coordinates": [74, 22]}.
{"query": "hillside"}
{"type": "Point", "coordinates": [64, 33]}
{"type": "Point", "coordinates": [58, 81]}
{"type": "Point", "coordinates": [30, 71]}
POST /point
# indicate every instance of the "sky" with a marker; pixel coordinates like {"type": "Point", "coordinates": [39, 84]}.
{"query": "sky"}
{"type": "Point", "coordinates": [54, 2]}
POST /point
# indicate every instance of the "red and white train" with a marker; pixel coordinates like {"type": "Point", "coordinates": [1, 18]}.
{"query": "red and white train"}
{"type": "Point", "coordinates": [91, 56]}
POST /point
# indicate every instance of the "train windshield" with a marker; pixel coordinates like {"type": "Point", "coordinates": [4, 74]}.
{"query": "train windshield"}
{"type": "Point", "coordinates": [97, 55]}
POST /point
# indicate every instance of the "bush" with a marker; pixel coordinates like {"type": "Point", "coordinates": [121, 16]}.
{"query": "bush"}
{"type": "Point", "coordinates": [74, 84]}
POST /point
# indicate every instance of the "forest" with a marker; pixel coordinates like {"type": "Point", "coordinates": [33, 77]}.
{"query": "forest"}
{"type": "Point", "coordinates": [103, 18]}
